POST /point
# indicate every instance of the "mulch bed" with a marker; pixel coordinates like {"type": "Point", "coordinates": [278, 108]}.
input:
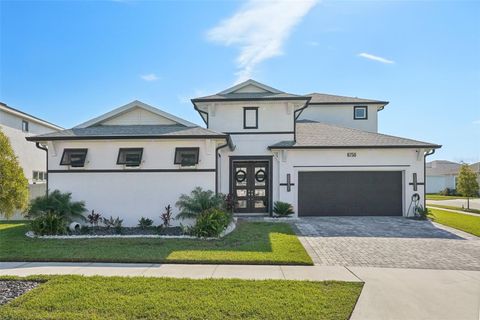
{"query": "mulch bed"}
{"type": "Point", "coordinates": [103, 231]}
{"type": "Point", "coordinates": [11, 289]}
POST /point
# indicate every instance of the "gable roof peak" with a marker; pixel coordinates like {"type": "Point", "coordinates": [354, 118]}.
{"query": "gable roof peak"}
{"type": "Point", "coordinates": [130, 106]}
{"type": "Point", "coordinates": [250, 82]}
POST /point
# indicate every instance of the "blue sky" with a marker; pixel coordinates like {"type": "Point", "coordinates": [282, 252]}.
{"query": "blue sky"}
{"type": "Point", "coordinates": [68, 61]}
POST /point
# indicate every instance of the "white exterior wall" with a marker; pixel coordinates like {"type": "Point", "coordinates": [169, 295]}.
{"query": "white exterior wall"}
{"type": "Point", "coordinates": [342, 115]}
{"type": "Point", "coordinates": [435, 184]}
{"type": "Point", "coordinates": [408, 161]}
{"type": "Point", "coordinates": [276, 116]}
{"type": "Point", "coordinates": [131, 195]}
{"type": "Point", "coordinates": [248, 145]}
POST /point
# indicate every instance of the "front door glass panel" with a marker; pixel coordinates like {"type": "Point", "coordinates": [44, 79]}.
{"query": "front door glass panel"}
{"type": "Point", "coordinates": [250, 181]}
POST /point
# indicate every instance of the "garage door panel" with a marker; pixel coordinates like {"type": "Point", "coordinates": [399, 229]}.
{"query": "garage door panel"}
{"type": "Point", "coordinates": [347, 193]}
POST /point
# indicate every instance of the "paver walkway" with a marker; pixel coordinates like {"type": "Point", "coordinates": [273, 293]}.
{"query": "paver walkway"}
{"type": "Point", "coordinates": [390, 242]}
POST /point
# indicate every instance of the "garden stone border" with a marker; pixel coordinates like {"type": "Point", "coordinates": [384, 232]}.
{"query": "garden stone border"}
{"type": "Point", "coordinates": [232, 226]}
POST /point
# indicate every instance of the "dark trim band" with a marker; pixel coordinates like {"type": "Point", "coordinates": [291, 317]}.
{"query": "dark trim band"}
{"type": "Point", "coordinates": [178, 137]}
{"type": "Point", "coordinates": [357, 147]}
{"type": "Point", "coordinates": [360, 166]}
{"type": "Point", "coordinates": [272, 132]}
{"type": "Point", "coordinates": [130, 170]}
{"type": "Point", "coordinates": [352, 102]}
{"type": "Point", "coordinates": [250, 99]}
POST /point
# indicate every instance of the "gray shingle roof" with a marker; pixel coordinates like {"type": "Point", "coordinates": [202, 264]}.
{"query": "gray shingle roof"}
{"type": "Point", "coordinates": [322, 98]}
{"type": "Point", "coordinates": [320, 135]}
{"type": "Point", "coordinates": [442, 167]}
{"type": "Point", "coordinates": [129, 132]}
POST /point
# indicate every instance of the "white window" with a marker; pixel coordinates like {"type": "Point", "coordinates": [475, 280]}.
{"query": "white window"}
{"type": "Point", "coordinates": [24, 126]}
{"type": "Point", "coordinates": [250, 118]}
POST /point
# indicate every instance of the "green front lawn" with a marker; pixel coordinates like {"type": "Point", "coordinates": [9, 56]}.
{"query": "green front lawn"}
{"type": "Point", "coordinates": [464, 222]}
{"type": "Point", "coordinates": [453, 208]}
{"type": "Point", "coordinates": [250, 243]}
{"type": "Point", "coordinates": [440, 197]}
{"type": "Point", "coordinates": [76, 297]}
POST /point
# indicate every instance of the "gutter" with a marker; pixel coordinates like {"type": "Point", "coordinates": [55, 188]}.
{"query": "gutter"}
{"type": "Point", "coordinates": [39, 146]}
{"type": "Point", "coordinates": [429, 153]}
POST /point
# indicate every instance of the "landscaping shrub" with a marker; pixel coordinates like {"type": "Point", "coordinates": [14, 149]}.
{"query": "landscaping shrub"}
{"type": "Point", "coordinates": [282, 209]}
{"type": "Point", "coordinates": [167, 216]}
{"type": "Point", "coordinates": [211, 223]}
{"type": "Point", "coordinates": [198, 201]}
{"type": "Point", "coordinates": [229, 203]}
{"type": "Point", "coordinates": [59, 203]}
{"type": "Point", "coordinates": [448, 192]}
{"type": "Point", "coordinates": [49, 224]}
{"type": "Point", "coordinates": [115, 223]}
{"type": "Point", "coordinates": [94, 218]}
{"type": "Point", "coordinates": [422, 212]}
{"type": "Point", "coordinates": [145, 223]}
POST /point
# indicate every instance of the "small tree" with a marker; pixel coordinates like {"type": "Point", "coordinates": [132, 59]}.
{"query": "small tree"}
{"type": "Point", "coordinates": [13, 184]}
{"type": "Point", "coordinates": [467, 184]}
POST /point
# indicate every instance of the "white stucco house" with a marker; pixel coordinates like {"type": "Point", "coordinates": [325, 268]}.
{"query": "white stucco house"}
{"type": "Point", "coordinates": [441, 174]}
{"type": "Point", "coordinates": [321, 153]}
{"type": "Point", "coordinates": [18, 125]}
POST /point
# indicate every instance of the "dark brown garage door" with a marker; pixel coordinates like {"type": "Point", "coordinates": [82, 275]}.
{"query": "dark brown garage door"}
{"type": "Point", "coordinates": [350, 193]}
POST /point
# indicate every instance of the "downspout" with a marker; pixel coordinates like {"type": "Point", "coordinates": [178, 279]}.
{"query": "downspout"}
{"type": "Point", "coordinates": [39, 146]}
{"type": "Point", "coordinates": [216, 163]}
{"type": "Point", "coordinates": [296, 116]}
{"type": "Point", "coordinates": [429, 153]}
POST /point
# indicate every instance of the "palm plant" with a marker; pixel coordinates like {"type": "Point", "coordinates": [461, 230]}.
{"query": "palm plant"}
{"type": "Point", "coordinates": [59, 203]}
{"type": "Point", "coordinates": [282, 208]}
{"type": "Point", "coordinates": [199, 200]}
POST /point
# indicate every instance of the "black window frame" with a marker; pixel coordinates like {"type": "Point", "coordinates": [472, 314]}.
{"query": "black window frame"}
{"type": "Point", "coordinates": [131, 164]}
{"type": "Point", "coordinates": [178, 160]}
{"type": "Point", "coordinates": [355, 112]}
{"type": "Point", "coordinates": [72, 150]}
{"type": "Point", "coordinates": [245, 109]}
{"type": "Point", "coordinates": [25, 126]}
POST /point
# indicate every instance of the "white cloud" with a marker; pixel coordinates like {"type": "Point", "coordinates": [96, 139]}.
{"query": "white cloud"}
{"type": "Point", "coordinates": [476, 122]}
{"type": "Point", "coordinates": [375, 58]}
{"type": "Point", "coordinates": [313, 43]}
{"type": "Point", "coordinates": [259, 29]}
{"type": "Point", "coordinates": [149, 77]}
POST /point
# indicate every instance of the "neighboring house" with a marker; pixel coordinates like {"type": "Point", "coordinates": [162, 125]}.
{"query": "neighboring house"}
{"type": "Point", "coordinates": [476, 168]}
{"type": "Point", "coordinates": [261, 144]}
{"type": "Point", "coordinates": [18, 125]}
{"type": "Point", "coordinates": [441, 174]}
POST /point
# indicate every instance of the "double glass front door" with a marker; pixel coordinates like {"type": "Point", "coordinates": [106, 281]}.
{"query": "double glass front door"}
{"type": "Point", "coordinates": [250, 183]}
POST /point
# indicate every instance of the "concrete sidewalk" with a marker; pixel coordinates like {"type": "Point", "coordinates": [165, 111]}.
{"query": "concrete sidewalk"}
{"type": "Point", "coordinates": [388, 294]}
{"type": "Point", "coordinates": [194, 271]}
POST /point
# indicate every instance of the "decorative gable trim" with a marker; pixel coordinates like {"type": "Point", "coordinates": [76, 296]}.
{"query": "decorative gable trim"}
{"type": "Point", "coordinates": [250, 82]}
{"type": "Point", "coordinates": [131, 106]}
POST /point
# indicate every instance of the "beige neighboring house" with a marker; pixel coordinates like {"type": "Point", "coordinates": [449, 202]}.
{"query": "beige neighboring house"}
{"type": "Point", "coordinates": [441, 174]}
{"type": "Point", "coordinates": [18, 125]}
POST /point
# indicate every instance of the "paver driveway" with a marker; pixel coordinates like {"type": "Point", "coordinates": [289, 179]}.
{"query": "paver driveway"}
{"type": "Point", "coordinates": [392, 242]}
